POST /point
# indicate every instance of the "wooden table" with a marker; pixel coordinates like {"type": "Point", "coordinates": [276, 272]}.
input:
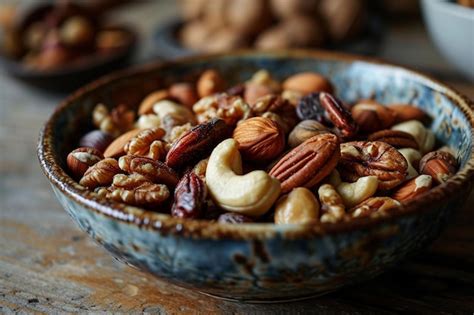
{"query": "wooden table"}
{"type": "Point", "coordinates": [48, 265]}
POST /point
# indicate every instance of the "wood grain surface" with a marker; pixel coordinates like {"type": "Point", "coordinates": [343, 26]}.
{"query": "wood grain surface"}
{"type": "Point", "coordinates": [47, 265]}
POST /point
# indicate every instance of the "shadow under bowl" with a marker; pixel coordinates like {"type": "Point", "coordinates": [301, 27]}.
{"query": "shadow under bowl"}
{"type": "Point", "coordinates": [263, 262]}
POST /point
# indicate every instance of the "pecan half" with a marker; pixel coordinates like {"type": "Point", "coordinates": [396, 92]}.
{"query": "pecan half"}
{"type": "Point", "coordinates": [338, 114]}
{"type": "Point", "coordinates": [309, 108]}
{"type": "Point", "coordinates": [397, 139]}
{"type": "Point", "coordinates": [364, 158]}
{"type": "Point", "coordinates": [307, 164]}
{"type": "Point", "coordinates": [147, 143]}
{"type": "Point", "coordinates": [100, 174]}
{"type": "Point", "coordinates": [189, 197]}
{"type": "Point", "coordinates": [155, 171]}
{"type": "Point", "coordinates": [197, 143]}
{"type": "Point", "coordinates": [137, 190]}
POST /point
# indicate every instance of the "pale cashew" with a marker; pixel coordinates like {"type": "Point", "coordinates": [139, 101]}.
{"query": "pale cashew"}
{"type": "Point", "coordinates": [423, 136]}
{"type": "Point", "coordinates": [250, 194]}
{"type": "Point", "coordinates": [332, 205]}
{"type": "Point", "coordinates": [148, 121]}
{"type": "Point", "coordinates": [165, 107]}
{"type": "Point", "coordinates": [413, 157]}
{"type": "Point", "coordinates": [354, 193]}
{"type": "Point", "coordinates": [298, 207]}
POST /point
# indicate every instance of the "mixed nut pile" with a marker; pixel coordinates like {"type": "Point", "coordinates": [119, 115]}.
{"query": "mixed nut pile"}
{"type": "Point", "coordinates": [262, 151]}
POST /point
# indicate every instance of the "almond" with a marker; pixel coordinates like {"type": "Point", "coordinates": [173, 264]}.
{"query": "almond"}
{"type": "Point", "coordinates": [259, 139]}
{"type": "Point", "coordinates": [116, 148]}
{"type": "Point", "coordinates": [210, 82]}
{"type": "Point", "coordinates": [413, 188]}
{"type": "Point", "coordinates": [307, 82]}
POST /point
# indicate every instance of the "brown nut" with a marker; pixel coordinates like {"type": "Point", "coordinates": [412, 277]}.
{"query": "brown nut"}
{"type": "Point", "coordinates": [77, 31]}
{"type": "Point", "coordinates": [365, 158]}
{"type": "Point", "coordinates": [371, 116]}
{"type": "Point", "coordinates": [79, 160]}
{"type": "Point", "coordinates": [100, 174]}
{"type": "Point", "coordinates": [338, 114]}
{"type": "Point", "coordinates": [147, 143]}
{"type": "Point", "coordinates": [136, 190]}
{"type": "Point", "coordinates": [440, 165]}
{"type": "Point", "coordinates": [96, 139]}
{"type": "Point", "coordinates": [406, 112]}
{"type": "Point", "coordinates": [397, 139]}
{"type": "Point", "coordinates": [231, 109]}
{"type": "Point", "coordinates": [146, 106]}
{"type": "Point", "coordinates": [119, 120]}
{"type": "Point", "coordinates": [210, 82]}
{"type": "Point", "coordinates": [116, 148]}
{"type": "Point", "coordinates": [332, 206]}
{"type": "Point", "coordinates": [184, 93]}
{"type": "Point", "coordinates": [309, 108]}
{"type": "Point", "coordinates": [372, 205]}
{"type": "Point", "coordinates": [305, 130]}
{"type": "Point", "coordinates": [189, 197]}
{"type": "Point", "coordinates": [234, 218]}
{"type": "Point", "coordinates": [177, 132]}
{"type": "Point", "coordinates": [413, 188]}
{"type": "Point", "coordinates": [155, 171]}
{"type": "Point", "coordinates": [197, 143]}
{"type": "Point", "coordinates": [307, 164]}
{"type": "Point", "coordinates": [298, 207]}
{"type": "Point", "coordinates": [307, 82]}
{"type": "Point", "coordinates": [259, 139]}
{"type": "Point", "coordinates": [268, 103]}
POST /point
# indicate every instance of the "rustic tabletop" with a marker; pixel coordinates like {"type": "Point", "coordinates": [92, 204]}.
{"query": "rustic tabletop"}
{"type": "Point", "coordinates": [48, 265]}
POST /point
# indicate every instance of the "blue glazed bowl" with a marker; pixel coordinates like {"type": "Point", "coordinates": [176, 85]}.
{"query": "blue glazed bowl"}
{"type": "Point", "coordinates": [263, 262]}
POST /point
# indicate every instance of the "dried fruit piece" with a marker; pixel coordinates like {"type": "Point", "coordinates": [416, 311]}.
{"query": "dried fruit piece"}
{"type": "Point", "coordinates": [396, 138]}
{"type": "Point", "coordinates": [100, 174]}
{"type": "Point", "coordinates": [371, 116]}
{"type": "Point", "coordinates": [372, 205]}
{"type": "Point", "coordinates": [96, 139]}
{"type": "Point", "coordinates": [309, 108]}
{"type": "Point", "coordinates": [307, 164]}
{"type": "Point", "coordinates": [332, 206]}
{"type": "Point", "coordinates": [298, 207]}
{"type": "Point", "coordinates": [305, 130]}
{"type": "Point", "coordinates": [259, 139]}
{"type": "Point", "coordinates": [234, 218]}
{"type": "Point", "coordinates": [366, 158]}
{"type": "Point", "coordinates": [79, 160]}
{"type": "Point", "coordinates": [155, 171]}
{"type": "Point", "coordinates": [307, 82]}
{"type": "Point", "coordinates": [189, 197]}
{"type": "Point", "coordinates": [338, 114]}
{"type": "Point", "coordinates": [197, 143]}
{"type": "Point", "coordinates": [413, 188]}
{"type": "Point", "coordinates": [440, 165]}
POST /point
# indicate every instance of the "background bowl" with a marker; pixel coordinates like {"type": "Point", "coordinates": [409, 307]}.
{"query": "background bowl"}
{"type": "Point", "coordinates": [261, 262]}
{"type": "Point", "coordinates": [451, 27]}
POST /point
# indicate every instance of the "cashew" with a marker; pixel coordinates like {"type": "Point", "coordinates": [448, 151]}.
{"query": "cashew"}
{"type": "Point", "coordinates": [423, 136]}
{"type": "Point", "coordinates": [354, 193]}
{"type": "Point", "coordinates": [250, 194]}
{"type": "Point", "coordinates": [332, 205]}
{"type": "Point", "coordinates": [148, 121]}
{"type": "Point", "coordinates": [165, 107]}
{"type": "Point", "coordinates": [298, 207]}
{"type": "Point", "coordinates": [413, 157]}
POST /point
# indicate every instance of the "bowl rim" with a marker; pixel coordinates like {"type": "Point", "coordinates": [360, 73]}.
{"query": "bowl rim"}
{"type": "Point", "coordinates": [203, 229]}
{"type": "Point", "coordinates": [450, 7]}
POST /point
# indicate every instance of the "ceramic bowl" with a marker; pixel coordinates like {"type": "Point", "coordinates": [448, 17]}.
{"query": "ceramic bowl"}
{"type": "Point", "coordinates": [451, 27]}
{"type": "Point", "coordinates": [263, 262]}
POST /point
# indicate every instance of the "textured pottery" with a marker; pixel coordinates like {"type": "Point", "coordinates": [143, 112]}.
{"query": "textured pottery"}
{"type": "Point", "coordinates": [261, 262]}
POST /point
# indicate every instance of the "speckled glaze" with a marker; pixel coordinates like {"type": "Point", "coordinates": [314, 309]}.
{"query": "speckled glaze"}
{"type": "Point", "coordinates": [263, 262]}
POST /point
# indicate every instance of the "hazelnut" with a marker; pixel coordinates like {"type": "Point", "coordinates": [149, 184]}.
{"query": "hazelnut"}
{"type": "Point", "coordinates": [440, 165]}
{"type": "Point", "coordinates": [371, 116]}
{"type": "Point", "coordinates": [79, 160]}
{"type": "Point", "coordinates": [184, 93]}
{"type": "Point", "coordinates": [305, 130]}
{"type": "Point", "coordinates": [259, 139]}
{"type": "Point", "coordinates": [210, 82]}
{"type": "Point", "coordinates": [96, 139]}
{"type": "Point", "coordinates": [406, 112]}
{"type": "Point", "coordinates": [307, 82]}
